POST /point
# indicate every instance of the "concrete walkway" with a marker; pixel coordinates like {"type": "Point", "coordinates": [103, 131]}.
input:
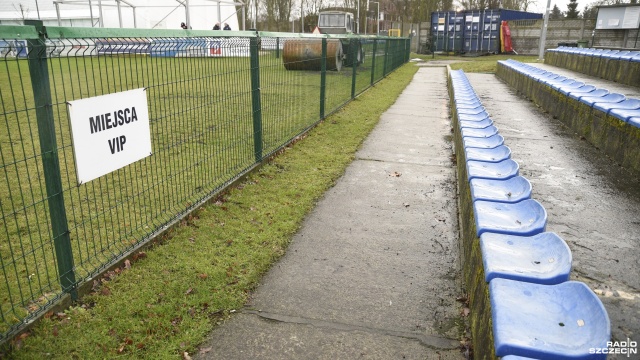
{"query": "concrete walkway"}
{"type": "Point", "coordinates": [373, 273]}
{"type": "Point", "coordinates": [591, 202]}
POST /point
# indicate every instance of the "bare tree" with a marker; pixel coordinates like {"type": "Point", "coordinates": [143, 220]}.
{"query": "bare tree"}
{"type": "Point", "coordinates": [22, 10]}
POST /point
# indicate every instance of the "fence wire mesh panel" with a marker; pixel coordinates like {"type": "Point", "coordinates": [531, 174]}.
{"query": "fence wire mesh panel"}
{"type": "Point", "coordinates": [217, 106]}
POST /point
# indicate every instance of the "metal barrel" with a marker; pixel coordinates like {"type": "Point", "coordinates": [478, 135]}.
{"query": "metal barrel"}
{"type": "Point", "coordinates": [306, 54]}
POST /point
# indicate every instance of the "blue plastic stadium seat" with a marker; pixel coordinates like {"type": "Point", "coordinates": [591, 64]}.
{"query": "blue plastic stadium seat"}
{"type": "Point", "coordinates": [524, 218]}
{"type": "Point", "coordinates": [559, 322]}
{"type": "Point", "coordinates": [502, 170]}
{"type": "Point", "coordinates": [558, 85]}
{"type": "Point", "coordinates": [609, 54]}
{"type": "Point", "coordinates": [609, 98]}
{"type": "Point", "coordinates": [625, 114]}
{"type": "Point", "coordinates": [511, 190]}
{"type": "Point", "coordinates": [593, 94]}
{"type": "Point", "coordinates": [628, 104]}
{"type": "Point", "coordinates": [468, 104]}
{"type": "Point", "coordinates": [629, 56]}
{"type": "Point", "coordinates": [546, 76]}
{"type": "Point", "coordinates": [618, 55]}
{"type": "Point", "coordinates": [481, 133]}
{"type": "Point", "coordinates": [513, 357]}
{"type": "Point", "coordinates": [476, 117]}
{"type": "Point", "coordinates": [467, 101]}
{"type": "Point", "coordinates": [484, 143]}
{"type": "Point", "coordinates": [488, 155]}
{"type": "Point", "coordinates": [582, 90]}
{"type": "Point", "coordinates": [542, 259]}
{"type": "Point", "coordinates": [554, 80]}
{"type": "Point", "coordinates": [476, 124]}
{"type": "Point", "coordinates": [634, 121]}
{"type": "Point", "coordinates": [473, 111]}
{"type": "Point", "coordinates": [465, 96]}
{"type": "Point", "coordinates": [567, 88]}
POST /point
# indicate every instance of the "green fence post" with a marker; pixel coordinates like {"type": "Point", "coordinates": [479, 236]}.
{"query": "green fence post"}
{"type": "Point", "coordinates": [39, 73]}
{"type": "Point", "coordinates": [323, 76]}
{"type": "Point", "coordinates": [373, 61]}
{"type": "Point", "coordinates": [255, 98]}
{"type": "Point", "coordinates": [386, 55]}
{"type": "Point", "coordinates": [354, 65]}
{"type": "Point", "coordinates": [277, 48]}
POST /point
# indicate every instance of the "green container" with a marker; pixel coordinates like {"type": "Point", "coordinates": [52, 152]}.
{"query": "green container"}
{"type": "Point", "coordinates": [583, 43]}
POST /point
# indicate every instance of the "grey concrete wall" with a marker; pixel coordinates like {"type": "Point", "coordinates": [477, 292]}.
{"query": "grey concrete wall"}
{"type": "Point", "coordinates": [525, 35]}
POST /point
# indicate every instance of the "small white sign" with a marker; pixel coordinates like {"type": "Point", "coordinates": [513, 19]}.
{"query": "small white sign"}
{"type": "Point", "coordinates": [109, 132]}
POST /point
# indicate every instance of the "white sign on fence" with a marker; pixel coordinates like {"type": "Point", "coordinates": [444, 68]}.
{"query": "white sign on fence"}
{"type": "Point", "coordinates": [109, 132]}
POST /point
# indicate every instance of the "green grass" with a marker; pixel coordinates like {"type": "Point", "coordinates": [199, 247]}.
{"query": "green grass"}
{"type": "Point", "coordinates": [177, 291]}
{"type": "Point", "coordinates": [479, 64]}
{"type": "Point", "coordinates": [202, 138]}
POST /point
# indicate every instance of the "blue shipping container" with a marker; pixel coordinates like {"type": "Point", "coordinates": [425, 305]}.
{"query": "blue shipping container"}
{"type": "Point", "coordinates": [472, 31]}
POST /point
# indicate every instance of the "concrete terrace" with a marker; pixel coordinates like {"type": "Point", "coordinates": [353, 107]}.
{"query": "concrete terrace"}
{"type": "Point", "coordinates": [375, 272]}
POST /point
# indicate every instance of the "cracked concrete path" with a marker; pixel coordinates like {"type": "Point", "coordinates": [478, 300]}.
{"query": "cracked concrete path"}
{"type": "Point", "coordinates": [591, 202]}
{"type": "Point", "coordinates": [373, 273]}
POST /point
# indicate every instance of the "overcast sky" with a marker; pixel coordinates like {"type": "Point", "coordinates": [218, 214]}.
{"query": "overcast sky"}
{"type": "Point", "coordinates": [539, 5]}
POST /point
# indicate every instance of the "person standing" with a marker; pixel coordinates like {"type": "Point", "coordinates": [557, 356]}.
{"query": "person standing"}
{"type": "Point", "coordinates": [216, 26]}
{"type": "Point", "coordinates": [227, 27]}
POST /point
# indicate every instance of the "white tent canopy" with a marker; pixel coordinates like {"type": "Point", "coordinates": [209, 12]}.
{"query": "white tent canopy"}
{"type": "Point", "coordinates": [149, 14]}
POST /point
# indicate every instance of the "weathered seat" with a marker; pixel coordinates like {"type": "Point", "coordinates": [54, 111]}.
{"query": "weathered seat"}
{"type": "Point", "coordinates": [542, 259]}
{"type": "Point", "coordinates": [559, 322]}
{"type": "Point", "coordinates": [496, 154]}
{"type": "Point", "coordinates": [502, 170]}
{"type": "Point", "coordinates": [511, 190]}
{"type": "Point", "coordinates": [524, 218]}
{"type": "Point", "coordinates": [482, 133]}
{"type": "Point", "coordinates": [485, 143]}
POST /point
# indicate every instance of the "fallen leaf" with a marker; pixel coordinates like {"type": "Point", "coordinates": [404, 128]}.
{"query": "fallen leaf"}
{"type": "Point", "coordinates": [105, 291]}
{"type": "Point", "coordinates": [465, 312]}
{"type": "Point", "coordinates": [395, 174]}
{"type": "Point", "coordinates": [48, 315]}
{"type": "Point", "coordinates": [205, 350]}
{"type": "Point", "coordinates": [189, 291]}
{"type": "Point", "coordinates": [128, 341]}
{"type": "Point", "coordinates": [127, 264]}
{"type": "Point", "coordinates": [140, 346]}
{"type": "Point", "coordinates": [140, 255]}
{"type": "Point", "coordinates": [55, 331]}
{"type": "Point", "coordinates": [185, 356]}
{"type": "Point", "coordinates": [203, 276]}
{"type": "Point", "coordinates": [121, 349]}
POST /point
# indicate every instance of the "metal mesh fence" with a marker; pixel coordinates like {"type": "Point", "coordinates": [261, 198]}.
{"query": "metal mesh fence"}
{"type": "Point", "coordinates": [218, 105]}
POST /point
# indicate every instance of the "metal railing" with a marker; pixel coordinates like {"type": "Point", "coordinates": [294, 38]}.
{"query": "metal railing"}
{"type": "Point", "coordinates": [219, 103]}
